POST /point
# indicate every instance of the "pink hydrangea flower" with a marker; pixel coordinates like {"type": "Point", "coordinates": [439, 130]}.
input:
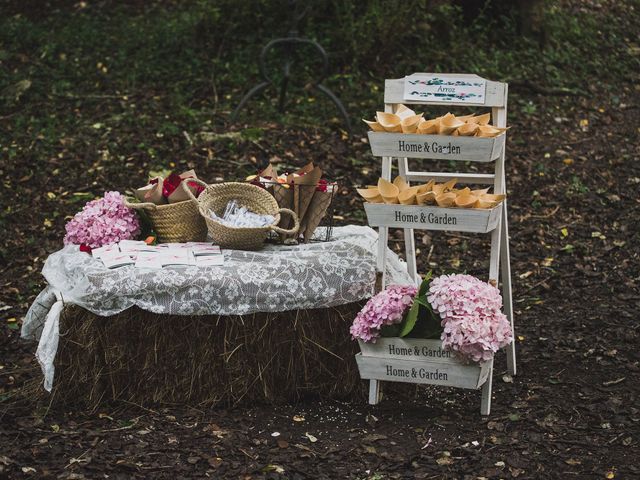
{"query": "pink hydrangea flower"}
{"type": "Point", "coordinates": [385, 308]}
{"type": "Point", "coordinates": [473, 323]}
{"type": "Point", "coordinates": [102, 222]}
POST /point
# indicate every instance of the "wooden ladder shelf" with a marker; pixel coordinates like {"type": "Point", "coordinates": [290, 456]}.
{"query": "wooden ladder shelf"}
{"type": "Point", "coordinates": [401, 147]}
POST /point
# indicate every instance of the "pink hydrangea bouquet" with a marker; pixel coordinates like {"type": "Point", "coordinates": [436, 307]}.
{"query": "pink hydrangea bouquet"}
{"type": "Point", "coordinates": [102, 222]}
{"type": "Point", "coordinates": [386, 308]}
{"type": "Point", "coordinates": [463, 311]}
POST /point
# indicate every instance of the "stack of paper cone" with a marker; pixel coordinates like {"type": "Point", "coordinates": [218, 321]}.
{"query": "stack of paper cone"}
{"type": "Point", "coordinates": [403, 112]}
{"type": "Point", "coordinates": [152, 192]}
{"type": "Point", "coordinates": [408, 196]}
{"type": "Point", "coordinates": [480, 119]}
{"type": "Point", "coordinates": [449, 124]}
{"type": "Point", "coordinates": [410, 124]}
{"type": "Point", "coordinates": [389, 121]}
{"type": "Point", "coordinates": [446, 199]}
{"type": "Point", "coordinates": [388, 191]}
{"type": "Point", "coordinates": [400, 183]}
{"type": "Point", "coordinates": [375, 126]}
{"type": "Point", "coordinates": [428, 127]}
{"type": "Point", "coordinates": [468, 129]}
{"type": "Point", "coordinates": [370, 194]}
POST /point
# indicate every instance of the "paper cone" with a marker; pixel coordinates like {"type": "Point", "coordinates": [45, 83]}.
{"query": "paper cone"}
{"type": "Point", "coordinates": [388, 191]}
{"type": "Point", "coordinates": [426, 198]}
{"type": "Point", "coordinates": [465, 118]}
{"type": "Point", "coordinates": [480, 192]}
{"type": "Point", "coordinates": [188, 174]}
{"type": "Point", "coordinates": [450, 184]}
{"type": "Point", "coordinates": [371, 195]}
{"type": "Point", "coordinates": [304, 188]}
{"type": "Point", "coordinates": [446, 199]}
{"type": "Point", "coordinates": [494, 197]}
{"type": "Point", "coordinates": [400, 183]}
{"type": "Point", "coordinates": [410, 124]}
{"type": "Point", "coordinates": [468, 129]}
{"type": "Point", "coordinates": [375, 126]}
{"type": "Point", "coordinates": [304, 170]}
{"type": "Point", "coordinates": [428, 127]}
{"type": "Point", "coordinates": [480, 203]}
{"type": "Point", "coordinates": [408, 196]}
{"type": "Point", "coordinates": [403, 111]}
{"type": "Point", "coordinates": [489, 200]}
{"type": "Point", "coordinates": [152, 193]}
{"type": "Point", "coordinates": [180, 195]}
{"type": "Point", "coordinates": [449, 124]}
{"type": "Point", "coordinates": [389, 121]}
{"type": "Point", "coordinates": [488, 131]}
{"type": "Point", "coordinates": [283, 194]}
{"type": "Point", "coordinates": [466, 200]}
{"type": "Point", "coordinates": [315, 213]}
{"type": "Point", "coordinates": [426, 187]}
{"type": "Point", "coordinates": [480, 119]}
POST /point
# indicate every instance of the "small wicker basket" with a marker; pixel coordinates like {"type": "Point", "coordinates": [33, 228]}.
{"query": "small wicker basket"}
{"type": "Point", "coordinates": [175, 222]}
{"type": "Point", "coordinates": [256, 199]}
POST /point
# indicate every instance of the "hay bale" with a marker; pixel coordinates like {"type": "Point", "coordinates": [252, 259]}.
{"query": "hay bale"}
{"type": "Point", "coordinates": [145, 358]}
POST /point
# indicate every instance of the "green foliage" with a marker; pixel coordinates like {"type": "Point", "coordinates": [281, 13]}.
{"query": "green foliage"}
{"type": "Point", "coordinates": [420, 321]}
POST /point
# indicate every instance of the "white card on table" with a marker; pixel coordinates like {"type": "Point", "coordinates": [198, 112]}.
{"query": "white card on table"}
{"type": "Point", "coordinates": [115, 260]}
{"type": "Point", "coordinates": [210, 261]}
{"type": "Point", "coordinates": [107, 249]}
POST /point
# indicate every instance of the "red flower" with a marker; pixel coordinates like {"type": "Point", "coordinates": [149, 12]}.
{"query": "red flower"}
{"type": "Point", "coordinates": [198, 188]}
{"type": "Point", "coordinates": [322, 185]}
{"type": "Point", "coordinates": [170, 184]}
{"type": "Point", "coordinates": [85, 248]}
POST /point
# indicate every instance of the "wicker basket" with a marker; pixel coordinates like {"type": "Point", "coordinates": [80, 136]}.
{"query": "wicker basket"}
{"type": "Point", "coordinates": [175, 222]}
{"type": "Point", "coordinates": [256, 199]}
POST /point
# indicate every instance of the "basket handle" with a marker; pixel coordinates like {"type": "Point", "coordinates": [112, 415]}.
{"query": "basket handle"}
{"type": "Point", "coordinates": [296, 222]}
{"type": "Point", "coordinates": [140, 206]}
{"type": "Point", "coordinates": [186, 188]}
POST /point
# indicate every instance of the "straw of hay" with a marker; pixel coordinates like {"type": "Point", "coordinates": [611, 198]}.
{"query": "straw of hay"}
{"type": "Point", "coordinates": [143, 358]}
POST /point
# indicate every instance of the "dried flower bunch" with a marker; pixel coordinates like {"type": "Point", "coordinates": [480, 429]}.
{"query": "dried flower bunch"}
{"type": "Point", "coordinates": [431, 193]}
{"type": "Point", "coordinates": [102, 222]}
{"type": "Point", "coordinates": [406, 120]}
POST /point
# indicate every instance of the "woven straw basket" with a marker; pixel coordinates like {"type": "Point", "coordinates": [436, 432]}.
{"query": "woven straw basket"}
{"type": "Point", "coordinates": [256, 199]}
{"type": "Point", "coordinates": [175, 222]}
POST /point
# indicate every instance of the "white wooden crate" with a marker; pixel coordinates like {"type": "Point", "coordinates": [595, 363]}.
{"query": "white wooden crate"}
{"type": "Point", "coordinates": [478, 220]}
{"type": "Point", "coordinates": [448, 147]}
{"type": "Point", "coordinates": [418, 361]}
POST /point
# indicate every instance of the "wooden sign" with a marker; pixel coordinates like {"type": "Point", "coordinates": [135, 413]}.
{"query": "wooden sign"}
{"type": "Point", "coordinates": [447, 147]}
{"type": "Point", "coordinates": [418, 361]}
{"type": "Point", "coordinates": [477, 220]}
{"type": "Point", "coordinates": [446, 89]}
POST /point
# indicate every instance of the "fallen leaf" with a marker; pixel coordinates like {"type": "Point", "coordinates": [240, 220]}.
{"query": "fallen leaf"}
{"type": "Point", "coordinates": [311, 438]}
{"type": "Point", "coordinates": [573, 461]}
{"type": "Point", "coordinates": [298, 418]}
{"type": "Point", "coordinates": [283, 444]}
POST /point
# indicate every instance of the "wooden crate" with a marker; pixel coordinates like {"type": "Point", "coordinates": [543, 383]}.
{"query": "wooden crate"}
{"type": "Point", "coordinates": [448, 147]}
{"type": "Point", "coordinates": [421, 361]}
{"type": "Point", "coordinates": [478, 220]}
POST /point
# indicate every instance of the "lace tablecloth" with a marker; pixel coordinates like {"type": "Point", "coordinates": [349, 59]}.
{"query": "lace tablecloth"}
{"type": "Point", "coordinates": [274, 279]}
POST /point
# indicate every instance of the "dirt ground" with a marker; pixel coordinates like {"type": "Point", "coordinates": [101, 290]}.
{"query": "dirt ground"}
{"type": "Point", "coordinates": [572, 411]}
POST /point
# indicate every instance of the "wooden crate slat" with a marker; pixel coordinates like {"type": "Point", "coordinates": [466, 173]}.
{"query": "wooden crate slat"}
{"type": "Point", "coordinates": [466, 178]}
{"type": "Point", "coordinates": [423, 372]}
{"type": "Point", "coordinates": [432, 217]}
{"type": "Point", "coordinates": [444, 147]}
{"type": "Point", "coordinates": [494, 94]}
